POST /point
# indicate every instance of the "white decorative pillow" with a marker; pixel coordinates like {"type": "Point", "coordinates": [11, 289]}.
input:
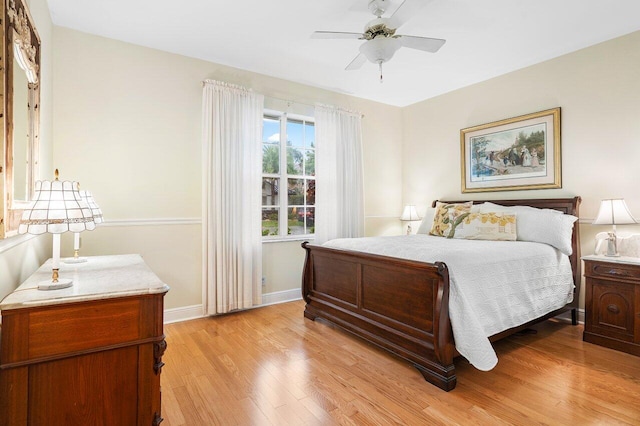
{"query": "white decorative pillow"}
{"type": "Point", "coordinates": [487, 226]}
{"type": "Point", "coordinates": [427, 221]}
{"type": "Point", "coordinates": [447, 217]}
{"type": "Point", "coordinates": [546, 226]}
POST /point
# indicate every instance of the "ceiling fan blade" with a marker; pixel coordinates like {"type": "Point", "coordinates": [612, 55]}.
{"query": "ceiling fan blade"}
{"type": "Point", "coordinates": [334, 34]}
{"type": "Point", "coordinates": [357, 62]}
{"type": "Point", "coordinates": [422, 43]}
{"type": "Point", "coordinates": [406, 11]}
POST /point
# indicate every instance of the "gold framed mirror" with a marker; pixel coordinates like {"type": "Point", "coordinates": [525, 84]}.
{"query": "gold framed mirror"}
{"type": "Point", "coordinates": [21, 94]}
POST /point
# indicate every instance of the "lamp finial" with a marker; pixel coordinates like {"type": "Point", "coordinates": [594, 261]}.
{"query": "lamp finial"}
{"type": "Point", "coordinates": [56, 173]}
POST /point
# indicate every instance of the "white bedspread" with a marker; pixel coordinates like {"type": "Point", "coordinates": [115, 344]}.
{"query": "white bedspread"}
{"type": "Point", "coordinates": [494, 285]}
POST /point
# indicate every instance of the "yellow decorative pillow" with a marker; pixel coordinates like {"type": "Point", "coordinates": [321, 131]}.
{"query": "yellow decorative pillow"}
{"type": "Point", "coordinates": [447, 217]}
{"type": "Point", "coordinates": [487, 226]}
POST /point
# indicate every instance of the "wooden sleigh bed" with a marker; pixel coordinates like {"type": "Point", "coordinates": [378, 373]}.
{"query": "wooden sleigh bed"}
{"type": "Point", "coordinates": [403, 305]}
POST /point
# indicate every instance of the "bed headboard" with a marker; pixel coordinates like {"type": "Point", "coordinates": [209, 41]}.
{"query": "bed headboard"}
{"type": "Point", "coordinates": [565, 205]}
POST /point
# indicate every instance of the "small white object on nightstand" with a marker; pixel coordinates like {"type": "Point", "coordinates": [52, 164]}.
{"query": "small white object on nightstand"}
{"type": "Point", "coordinates": [409, 215]}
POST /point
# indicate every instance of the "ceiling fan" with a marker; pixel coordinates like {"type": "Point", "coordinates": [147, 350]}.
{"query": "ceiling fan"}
{"type": "Point", "coordinates": [381, 40]}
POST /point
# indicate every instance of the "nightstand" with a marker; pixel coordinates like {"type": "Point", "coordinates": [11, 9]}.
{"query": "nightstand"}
{"type": "Point", "coordinates": [612, 302]}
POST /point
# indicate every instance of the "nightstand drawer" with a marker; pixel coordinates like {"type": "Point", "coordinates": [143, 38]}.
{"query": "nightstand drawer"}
{"type": "Point", "coordinates": [611, 270]}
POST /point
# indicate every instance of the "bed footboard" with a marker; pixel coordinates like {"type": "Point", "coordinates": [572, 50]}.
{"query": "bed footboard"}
{"type": "Point", "coordinates": [399, 305]}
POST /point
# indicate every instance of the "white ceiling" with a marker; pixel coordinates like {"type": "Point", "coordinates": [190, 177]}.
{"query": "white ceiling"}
{"type": "Point", "coordinates": [485, 38]}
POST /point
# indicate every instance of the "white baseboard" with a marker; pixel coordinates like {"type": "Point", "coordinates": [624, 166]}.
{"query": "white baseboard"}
{"type": "Point", "coordinates": [196, 311]}
{"type": "Point", "coordinates": [281, 296]}
{"type": "Point", "coordinates": [183, 313]}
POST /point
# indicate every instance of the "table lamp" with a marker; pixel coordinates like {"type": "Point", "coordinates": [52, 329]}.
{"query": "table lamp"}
{"type": "Point", "coordinates": [409, 214]}
{"type": "Point", "coordinates": [57, 208]}
{"type": "Point", "coordinates": [613, 212]}
{"type": "Point", "coordinates": [97, 218]}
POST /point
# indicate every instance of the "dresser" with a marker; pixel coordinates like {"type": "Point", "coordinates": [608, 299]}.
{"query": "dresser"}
{"type": "Point", "coordinates": [612, 302]}
{"type": "Point", "coordinates": [90, 354]}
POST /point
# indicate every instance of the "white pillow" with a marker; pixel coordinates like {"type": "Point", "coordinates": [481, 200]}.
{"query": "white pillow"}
{"type": "Point", "coordinates": [546, 226]}
{"type": "Point", "coordinates": [427, 221]}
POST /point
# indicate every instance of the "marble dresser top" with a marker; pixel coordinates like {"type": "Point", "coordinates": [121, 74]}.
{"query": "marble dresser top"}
{"type": "Point", "coordinates": [101, 277]}
{"type": "Point", "coordinates": [617, 259]}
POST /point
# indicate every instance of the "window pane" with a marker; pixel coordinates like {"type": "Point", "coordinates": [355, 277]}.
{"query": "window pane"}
{"type": "Point", "coordinates": [311, 192]}
{"type": "Point", "coordinates": [310, 162]}
{"type": "Point", "coordinates": [310, 218]}
{"type": "Point", "coordinates": [294, 161]}
{"type": "Point", "coordinates": [270, 145]}
{"type": "Point", "coordinates": [309, 135]}
{"type": "Point", "coordinates": [270, 158]}
{"type": "Point", "coordinates": [271, 130]}
{"type": "Point", "coordinates": [301, 220]}
{"type": "Point", "coordinates": [295, 135]}
{"type": "Point", "coordinates": [296, 221]}
{"type": "Point", "coordinates": [269, 222]}
{"type": "Point", "coordinates": [270, 191]}
{"type": "Point", "coordinates": [295, 192]}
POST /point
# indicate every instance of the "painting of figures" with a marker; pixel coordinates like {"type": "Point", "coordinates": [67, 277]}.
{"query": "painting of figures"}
{"type": "Point", "coordinates": [516, 153]}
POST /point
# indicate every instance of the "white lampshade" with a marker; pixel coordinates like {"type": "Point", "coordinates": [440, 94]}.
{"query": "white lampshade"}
{"type": "Point", "coordinates": [380, 49]}
{"type": "Point", "coordinates": [57, 208]}
{"type": "Point", "coordinates": [614, 212]}
{"type": "Point", "coordinates": [95, 209]}
{"type": "Point", "coordinates": [410, 213]}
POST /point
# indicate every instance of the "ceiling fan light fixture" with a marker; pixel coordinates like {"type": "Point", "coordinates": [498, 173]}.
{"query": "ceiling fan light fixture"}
{"type": "Point", "coordinates": [380, 49]}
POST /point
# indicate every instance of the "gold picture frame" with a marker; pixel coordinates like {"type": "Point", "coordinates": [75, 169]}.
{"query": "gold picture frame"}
{"type": "Point", "coordinates": [512, 154]}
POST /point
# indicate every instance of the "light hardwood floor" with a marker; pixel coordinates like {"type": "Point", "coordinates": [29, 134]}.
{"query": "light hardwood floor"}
{"type": "Point", "coordinates": [271, 366]}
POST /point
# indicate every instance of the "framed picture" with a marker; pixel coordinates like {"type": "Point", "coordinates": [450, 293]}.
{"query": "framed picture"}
{"type": "Point", "coordinates": [516, 153]}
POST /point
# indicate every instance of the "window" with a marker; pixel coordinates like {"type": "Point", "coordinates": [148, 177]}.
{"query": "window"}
{"type": "Point", "coordinates": [288, 161]}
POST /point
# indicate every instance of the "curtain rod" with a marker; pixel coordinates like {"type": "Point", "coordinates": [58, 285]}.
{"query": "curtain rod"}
{"type": "Point", "coordinates": [289, 102]}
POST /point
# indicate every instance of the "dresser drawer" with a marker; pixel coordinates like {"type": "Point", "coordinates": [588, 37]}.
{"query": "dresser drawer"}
{"type": "Point", "coordinates": [612, 270]}
{"type": "Point", "coordinates": [61, 330]}
{"type": "Point", "coordinates": [83, 326]}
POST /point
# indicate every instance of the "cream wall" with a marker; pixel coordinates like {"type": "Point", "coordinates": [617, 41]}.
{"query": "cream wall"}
{"type": "Point", "coordinates": [598, 89]}
{"type": "Point", "coordinates": [127, 127]}
{"type": "Point", "coordinates": [21, 255]}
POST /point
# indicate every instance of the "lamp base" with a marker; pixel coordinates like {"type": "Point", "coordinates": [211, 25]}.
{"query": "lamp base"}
{"type": "Point", "coordinates": [50, 285]}
{"type": "Point", "coordinates": [75, 260]}
{"type": "Point", "coordinates": [612, 245]}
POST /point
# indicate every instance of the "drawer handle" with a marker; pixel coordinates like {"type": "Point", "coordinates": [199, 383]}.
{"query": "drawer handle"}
{"type": "Point", "coordinates": [613, 309]}
{"type": "Point", "coordinates": [613, 271]}
{"type": "Point", "coordinates": [158, 351]}
{"type": "Point", "coordinates": [157, 419]}
{"type": "Point", "coordinates": [618, 272]}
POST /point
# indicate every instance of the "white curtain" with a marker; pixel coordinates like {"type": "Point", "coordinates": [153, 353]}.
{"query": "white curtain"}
{"type": "Point", "coordinates": [339, 174]}
{"type": "Point", "coordinates": [232, 172]}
